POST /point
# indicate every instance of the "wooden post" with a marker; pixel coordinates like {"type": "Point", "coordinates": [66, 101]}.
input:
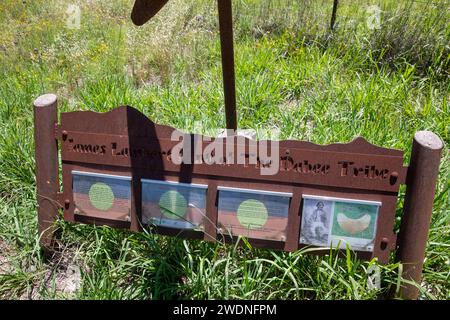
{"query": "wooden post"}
{"type": "Point", "coordinates": [46, 154]}
{"type": "Point", "coordinates": [333, 14]}
{"type": "Point", "coordinates": [226, 44]}
{"type": "Point", "coordinates": [415, 224]}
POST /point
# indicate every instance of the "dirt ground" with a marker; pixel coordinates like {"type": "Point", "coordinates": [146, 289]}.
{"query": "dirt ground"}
{"type": "Point", "coordinates": [60, 275]}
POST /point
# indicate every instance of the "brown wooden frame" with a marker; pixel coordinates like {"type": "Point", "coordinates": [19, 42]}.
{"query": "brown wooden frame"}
{"type": "Point", "coordinates": [150, 145]}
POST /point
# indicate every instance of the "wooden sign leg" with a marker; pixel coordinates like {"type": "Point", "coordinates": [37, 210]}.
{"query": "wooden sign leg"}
{"type": "Point", "coordinates": [46, 154]}
{"type": "Point", "coordinates": [333, 14]}
{"type": "Point", "coordinates": [226, 43]}
{"type": "Point", "coordinates": [420, 190]}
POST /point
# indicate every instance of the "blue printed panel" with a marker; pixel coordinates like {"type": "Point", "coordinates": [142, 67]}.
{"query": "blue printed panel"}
{"type": "Point", "coordinates": [253, 213]}
{"type": "Point", "coordinates": [173, 205]}
{"type": "Point", "coordinates": [102, 195]}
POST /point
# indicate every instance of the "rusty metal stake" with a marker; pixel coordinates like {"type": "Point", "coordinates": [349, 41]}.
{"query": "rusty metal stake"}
{"type": "Point", "coordinates": [226, 43]}
{"type": "Point", "coordinates": [420, 190]}
{"type": "Point", "coordinates": [46, 154]}
{"type": "Point", "coordinates": [333, 14]}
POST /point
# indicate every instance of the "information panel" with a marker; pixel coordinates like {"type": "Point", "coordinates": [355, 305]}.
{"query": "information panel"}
{"type": "Point", "coordinates": [254, 214]}
{"type": "Point", "coordinates": [102, 195]}
{"type": "Point", "coordinates": [339, 222]}
{"type": "Point", "coordinates": [173, 204]}
{"type": "Point", "coordinates": [233, 195]}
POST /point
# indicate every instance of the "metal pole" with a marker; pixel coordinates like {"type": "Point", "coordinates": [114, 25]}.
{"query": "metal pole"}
{"type": "Point", "coordinates": [333, 14]}
{"type": "Point", "coordinates": [226, 43]}
{"type": "Point", "coordinates": [46, 155]}
{"type": "Point", "coordinates": [420, 190]}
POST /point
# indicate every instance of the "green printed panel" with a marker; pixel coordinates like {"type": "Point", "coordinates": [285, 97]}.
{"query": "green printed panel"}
{"type": "Point", "coordinates": [354, 220]}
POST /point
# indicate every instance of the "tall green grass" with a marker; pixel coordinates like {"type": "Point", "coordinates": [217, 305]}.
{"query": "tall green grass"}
{"type": "Point", "coordinates": [293, 74]}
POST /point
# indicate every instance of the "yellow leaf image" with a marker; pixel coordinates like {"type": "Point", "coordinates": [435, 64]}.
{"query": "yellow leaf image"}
{"type": "Point", "coordinates": [353, 226]}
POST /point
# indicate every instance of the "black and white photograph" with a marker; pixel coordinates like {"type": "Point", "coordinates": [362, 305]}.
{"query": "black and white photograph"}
{"type": "Point", "coordinates": [316, 219]}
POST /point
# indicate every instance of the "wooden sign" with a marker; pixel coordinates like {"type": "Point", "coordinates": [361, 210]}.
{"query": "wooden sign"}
{"type": "Point", "coordinates": [121, 169]}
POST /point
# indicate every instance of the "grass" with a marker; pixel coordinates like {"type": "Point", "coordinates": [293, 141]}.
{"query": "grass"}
{"type": "Point", "coordinates": [293, 74]}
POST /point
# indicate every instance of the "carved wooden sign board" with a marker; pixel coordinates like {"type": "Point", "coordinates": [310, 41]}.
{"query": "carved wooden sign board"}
{"type": "Point", "coordinates": [119, 169]}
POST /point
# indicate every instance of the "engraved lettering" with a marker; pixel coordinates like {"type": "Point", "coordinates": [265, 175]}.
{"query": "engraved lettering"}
{"type": "Point", "coordinates": [344, 167]}
{"type": "Point", "coordinates": [87, 148]}
{"type": "Point", "coordinates": [368, 171]}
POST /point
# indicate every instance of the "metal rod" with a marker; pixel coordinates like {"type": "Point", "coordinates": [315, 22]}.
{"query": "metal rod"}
{"type": "Point", "coordinates": [420, 190]}
{"type": "Point", "coordinates": [333, 14]}
{"type": "Point", "coordinates": [46, 155]}
{"type": "Point", "coordinates": [226, 43]}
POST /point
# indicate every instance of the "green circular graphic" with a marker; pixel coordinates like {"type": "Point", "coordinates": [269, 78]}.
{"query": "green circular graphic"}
{"type": "Point", "coordinates": [252, 214]}
{"type": "Point", "coordinates": [173, 204]}
{"type": "Point", "coordinates": [101, 196]}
